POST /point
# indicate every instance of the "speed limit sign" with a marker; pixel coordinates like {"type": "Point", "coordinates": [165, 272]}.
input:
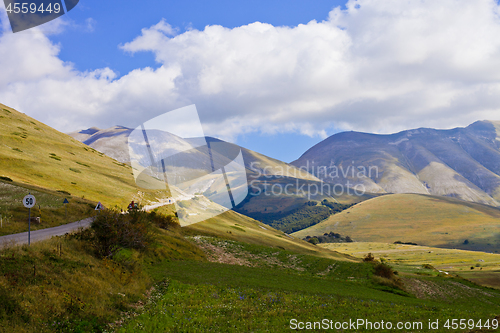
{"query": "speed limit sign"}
{"type": "Point", "coordinates": [29, 201]}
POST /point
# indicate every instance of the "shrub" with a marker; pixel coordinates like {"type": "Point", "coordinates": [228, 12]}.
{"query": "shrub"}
{"type": "Point", "coordinates": [163, 221]}
{"type": "Point", "coordinates": [313, 241]}
{"type": "Point", "coordinates": [384, 271]}
{"type": "Point", "coordinates": [113, 231]}
{"type": "Point", "coordinates": [369, 258]}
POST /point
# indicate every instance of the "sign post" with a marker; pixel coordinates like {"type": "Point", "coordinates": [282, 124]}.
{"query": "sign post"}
{"type": "Point", "coordinates": [28, 202]}
{"type": "Point", "coordinates": [66, 208]}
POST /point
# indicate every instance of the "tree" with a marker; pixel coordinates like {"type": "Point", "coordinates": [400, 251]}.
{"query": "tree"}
{"type": "Point", "coordinates": [313, 241]}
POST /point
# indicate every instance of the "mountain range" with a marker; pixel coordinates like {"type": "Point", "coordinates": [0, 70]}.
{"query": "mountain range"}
{"type": "Point", "coordinates": [462, 162]}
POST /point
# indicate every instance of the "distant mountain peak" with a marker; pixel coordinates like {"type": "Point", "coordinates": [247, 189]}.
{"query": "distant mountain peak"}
{"type": "Point", "coordinates": [90, 131]}
{"type": "Point", "coordinates": [459, 162]}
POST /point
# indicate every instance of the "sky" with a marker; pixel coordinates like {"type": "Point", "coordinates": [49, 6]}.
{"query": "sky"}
{"type": "Point", "coordinates": [273, 76]}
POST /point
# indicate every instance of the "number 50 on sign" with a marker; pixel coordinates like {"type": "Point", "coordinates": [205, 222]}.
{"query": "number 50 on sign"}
{"type": "Point", "coordinates": [29, 201]}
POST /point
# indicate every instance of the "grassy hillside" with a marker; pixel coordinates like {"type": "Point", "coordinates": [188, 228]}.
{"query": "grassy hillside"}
{"type": "Point", "coordinates": [49, 208]}
{"type": "Point", "coordinates": [268, 280]}
{"type": "Point", "coordinates": [235, 226]}
{"type": "Point", "coordinates": [35, 154]}
{"type": "Point", "coordinates": [425, 220]}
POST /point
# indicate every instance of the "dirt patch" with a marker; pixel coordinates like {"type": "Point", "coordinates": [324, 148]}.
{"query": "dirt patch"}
{"type": "Point", "coordinates": [220, 255]}
{"type": "Point", "coordinates": [424, 289]}
{"type": "Point", "coordinates": [228, 253]}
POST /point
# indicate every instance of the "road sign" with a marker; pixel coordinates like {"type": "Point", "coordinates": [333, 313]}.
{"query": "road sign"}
{"type": "Point", "coordinates": [29, 201]}
{"type": "Point", "coordinates": [99, 206]}
{"type": "Point", "coordinates": [66, 208]}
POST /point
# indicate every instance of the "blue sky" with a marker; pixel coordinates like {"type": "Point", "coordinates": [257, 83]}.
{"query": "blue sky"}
{"type": "Point", "coordinates": [117, 22]}
{"type": "Point", "coordinates": [97, 28]}
{"type": "Point", "coordinates": [274, 76]}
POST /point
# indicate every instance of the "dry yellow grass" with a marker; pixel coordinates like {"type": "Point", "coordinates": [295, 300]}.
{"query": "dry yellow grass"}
{"type": "Point", "coordinates": [421, 219]}
{"type": "Point", "coordinates": [35, 154]}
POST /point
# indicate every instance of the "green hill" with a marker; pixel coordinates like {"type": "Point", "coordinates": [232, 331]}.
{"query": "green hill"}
{"type": "Point", "coordinates": [33, 153]}
{"type": "Point", "coordinates": [241, 228]}
{"type": "Point", "coordinates": [422, 219]}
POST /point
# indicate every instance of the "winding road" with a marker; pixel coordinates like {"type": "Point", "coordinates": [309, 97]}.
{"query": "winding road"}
{"type": "Point", "coordinates": [39, 235]}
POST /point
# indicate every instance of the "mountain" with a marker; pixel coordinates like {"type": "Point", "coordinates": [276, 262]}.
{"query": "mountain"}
{"type": "Point", "coordinates": [33, 153]}
{"type": "Point", "coordinates": [114, 143]}
{"type": "Point", "coordinates": [460, 162]}
{"type": "Point", "coordinates": [416, 218]}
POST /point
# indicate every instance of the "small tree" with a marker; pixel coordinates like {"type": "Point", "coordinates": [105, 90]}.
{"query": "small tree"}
{"type": "Point", "coordinates": [313, 241]}
{"type": "Point", "coordinates": [112, 230]}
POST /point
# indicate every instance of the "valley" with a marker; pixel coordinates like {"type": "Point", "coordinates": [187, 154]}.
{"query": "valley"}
{"type": "Point", "coordinates": [246, 269]}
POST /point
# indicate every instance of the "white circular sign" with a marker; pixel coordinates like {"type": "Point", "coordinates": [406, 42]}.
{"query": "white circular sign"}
{"type": "Point", "coordinates": [29, 201]}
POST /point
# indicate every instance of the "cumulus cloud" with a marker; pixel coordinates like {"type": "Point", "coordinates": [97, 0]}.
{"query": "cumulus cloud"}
{"type": "Point", "coordinates": [375, 66]}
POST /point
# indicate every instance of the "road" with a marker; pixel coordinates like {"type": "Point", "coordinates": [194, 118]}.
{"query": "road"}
{"type": "Point", "coordinates": [39, 235]}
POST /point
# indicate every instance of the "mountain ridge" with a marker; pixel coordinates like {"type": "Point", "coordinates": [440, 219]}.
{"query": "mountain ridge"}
{"type": "Point", "coordinates": [462, 162]}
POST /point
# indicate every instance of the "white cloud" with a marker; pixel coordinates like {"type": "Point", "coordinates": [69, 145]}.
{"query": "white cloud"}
{"type": "Point", "coordinates": [376, 66]}
{"type": "Point", "coordinates": [90, 24]}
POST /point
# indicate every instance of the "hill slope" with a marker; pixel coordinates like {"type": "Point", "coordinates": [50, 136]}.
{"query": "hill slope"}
{"type": "Point", "coordinates": [35, 154]}
{"type": "Point", "coordinates": [461, 162]}
{"type": "Point", "coordinates": [422, 219]}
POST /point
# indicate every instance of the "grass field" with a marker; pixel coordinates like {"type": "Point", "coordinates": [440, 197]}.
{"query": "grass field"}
{"type": "Point", "coordinates": [210, 297]}
{"type": "Point", "coordinates": [267, 288]}
{"type": "Point", "coordinates": [425, 220]}
{"type": "Point", "coordinates": [411, 258]}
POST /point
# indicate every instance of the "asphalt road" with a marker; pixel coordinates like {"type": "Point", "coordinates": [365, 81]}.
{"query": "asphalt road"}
{"type": "Point", "coordinates": [39, 235]}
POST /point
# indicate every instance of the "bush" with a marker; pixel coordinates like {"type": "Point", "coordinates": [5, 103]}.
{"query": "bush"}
{"type": "Point", "coordinates": [162, 221]}
{"type": "Point", "coordinates": [369, 258]}
{"type": "Point", "coordinates": [313, 241]}
{"type": "Point", "coordinates": [384, 270]}
{"type": "Point", "coordinates": [113, 230]}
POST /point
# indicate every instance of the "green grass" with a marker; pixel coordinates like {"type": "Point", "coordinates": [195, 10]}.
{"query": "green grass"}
{"type": "Point", "coordinates": [59, 285]}
{"type": "Point", "coordinates": [411, 259]}
{"type": "Point", "coordinates": [82, 293]}
{"type": "Point", "coordinates": [205, 297]}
